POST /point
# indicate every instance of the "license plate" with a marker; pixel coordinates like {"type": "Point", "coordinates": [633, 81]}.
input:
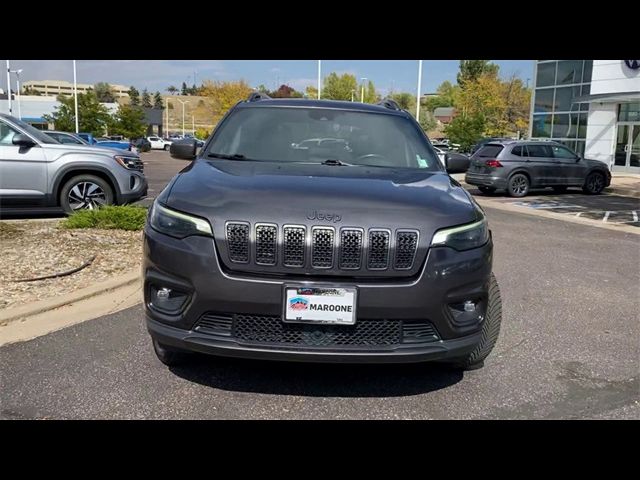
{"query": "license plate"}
{"type": "Point", "coordinates": [320, 305]}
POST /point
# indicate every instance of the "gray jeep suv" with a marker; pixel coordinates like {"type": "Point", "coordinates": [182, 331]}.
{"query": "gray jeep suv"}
{"type": "Point", "coordinates": [38, 172]}
{"type": "Point", "coordinates": [516, 166]}
{"type": "Point", "coordinates": [272, 245]}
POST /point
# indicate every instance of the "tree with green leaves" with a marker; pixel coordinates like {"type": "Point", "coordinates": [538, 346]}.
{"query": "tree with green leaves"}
{"type": "Point", "coordinates": [185, 90]}
{"type": "Point", "coordinates": [129, 122]}
{"type": "Point", "coordinates": [92, 116]}
{"type": "Point", "coordinates": [466, 130]}
{"type": "Point", "coordinates": [157, 101]}
{"type": "Point", "coordinates": [134, 96]}
{"type": "Point", "coordinates": [405, 101]}
{"type": "Point", "coordinates": [146, 99]}
{"type": "Point", "coordinates": [104, 92]}
{"type": "Point", "coordinates": [262, 88]}
{"type": "Point", "coordinates": [370, 94]}
{"type": "Point", "coordinates": [311, 92]}
{"type": "Point", "coordinates": [471, 70]}
{"type": "Point", "coordinates": [172, 90]}
{"type": "Point", "coordinates": [337, 87]}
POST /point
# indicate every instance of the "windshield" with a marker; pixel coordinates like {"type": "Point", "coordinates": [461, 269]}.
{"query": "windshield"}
{"type": "Point", "coordinates": [39, 135]}
{"type": "Point", "coordinates": [314, 135]}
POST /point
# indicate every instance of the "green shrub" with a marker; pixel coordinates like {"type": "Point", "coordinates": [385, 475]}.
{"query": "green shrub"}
{"type": "Point", "coordinates": [124, 217]}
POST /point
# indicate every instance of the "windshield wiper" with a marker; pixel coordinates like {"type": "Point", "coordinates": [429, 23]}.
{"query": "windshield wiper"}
{"type": "Point", "coordinates": [235, 156]}
{"type": "Point", "coordinates": [337, 163]}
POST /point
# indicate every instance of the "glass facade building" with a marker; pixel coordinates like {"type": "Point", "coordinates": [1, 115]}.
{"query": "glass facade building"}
{"type": "Point", "coordinates": [555, 115]}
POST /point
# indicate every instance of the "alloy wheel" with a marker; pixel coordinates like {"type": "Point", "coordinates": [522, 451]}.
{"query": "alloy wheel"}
{"type": "Point", "coordinates": [86, 196]}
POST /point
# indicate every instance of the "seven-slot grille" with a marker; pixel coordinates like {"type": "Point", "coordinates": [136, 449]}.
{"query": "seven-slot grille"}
{"type": "Point", "coordinates": [348, 248]}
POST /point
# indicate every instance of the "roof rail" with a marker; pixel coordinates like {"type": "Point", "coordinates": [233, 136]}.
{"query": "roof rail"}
{"type": "Point", "coordinates": [389, 103]}
{"type": "Point", "coordinates": [256, 96]}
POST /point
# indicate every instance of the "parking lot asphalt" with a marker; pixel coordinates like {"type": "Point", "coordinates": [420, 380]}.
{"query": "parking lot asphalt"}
{"type": "Point", "coordinates": [609, 209]}
{"type": "Point", "coordinates": [568, 349]}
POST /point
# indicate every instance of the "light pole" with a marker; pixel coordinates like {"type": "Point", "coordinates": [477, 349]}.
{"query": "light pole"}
{"type": "Point", "coordinates": [183, 104]}
{"type": "Point", "coordinates": [75, 94]}
{"type": "Point", "coordinates": [9, 86]}
{"type": "Point", "coordinates": [319, 78]}
{"type": "Point", "coordinates": [193, 126]}
{"type": "Point", "coordinates": [418, 91]}
{"type": "Point", "coordinates": [18, 72]}
{"type": "Point", "coordinates": [352, 94]}
{"type": "Point", "coordinates": [362, 90]}
{"type": "Point", "coordinates": [166, 100]}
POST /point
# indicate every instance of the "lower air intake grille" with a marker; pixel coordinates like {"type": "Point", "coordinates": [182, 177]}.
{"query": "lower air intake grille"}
{"type": "Point", "coordinates": [272, 330]}
{"type": "Point", "coordinates": [238, 242]}
{"type": "Point", "coordinates": [214, 324]}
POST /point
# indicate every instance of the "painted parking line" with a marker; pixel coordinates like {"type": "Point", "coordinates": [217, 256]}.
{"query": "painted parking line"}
{"type": "Point", "coordinates": [615, 217]}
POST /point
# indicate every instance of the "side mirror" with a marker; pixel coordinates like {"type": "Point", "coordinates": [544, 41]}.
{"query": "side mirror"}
{"type": "Point", "coordinates": [184, 149]}
{"type": "Point", "coordinates": [456, 162]}
{"type": "Point", "coordinates": [22, 140]}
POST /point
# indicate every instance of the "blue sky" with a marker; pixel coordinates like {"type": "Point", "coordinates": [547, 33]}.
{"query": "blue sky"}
{"type": "Point", "coordinates": [401, 75]}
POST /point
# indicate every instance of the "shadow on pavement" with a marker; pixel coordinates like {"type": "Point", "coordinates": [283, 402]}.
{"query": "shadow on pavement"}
{"type": "Point", "coordinates": [317, 380]}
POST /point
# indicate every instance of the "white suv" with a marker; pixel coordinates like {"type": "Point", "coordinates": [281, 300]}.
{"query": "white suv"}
{"type": "Point", "coordinates": [158, 143]}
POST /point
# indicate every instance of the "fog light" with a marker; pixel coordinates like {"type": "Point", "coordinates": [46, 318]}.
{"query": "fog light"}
{"type": "Point", "coordinates": [469, 306]}
{"type": "Point", "coordinates": [166, 299]}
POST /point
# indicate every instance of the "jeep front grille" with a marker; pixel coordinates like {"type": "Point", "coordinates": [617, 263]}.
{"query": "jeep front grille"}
{"type": "Point", "coordinates": [238, 241]}
{"type": "Point", "coordinates": [406, 244]}
{"type": "Point", "coordinates": [321, 247]}
{"type": "Point", "coordinates": [266, 244]}
{"type": "Point", "coordinates": [378, 249]}
{"type": "Point", "coordinates": [294, 246]}
{"type": "Point", "coordinates": [350, 248]}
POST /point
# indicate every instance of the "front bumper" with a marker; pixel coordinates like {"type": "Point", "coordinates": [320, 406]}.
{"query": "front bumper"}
{"type": "Point", "coordinates": [192, 266]}
{"type": "Point", "coordinates": [485, 180]}
{"type": "Point", "coordinates": [135, 188]}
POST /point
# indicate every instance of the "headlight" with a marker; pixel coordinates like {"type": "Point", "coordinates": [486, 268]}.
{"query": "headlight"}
{"type": "Point", "coordinates": [176, 224]}
{"type": "Point", "coordinates": [130, 163]}
{"type": "Point", "coordinates": [464, 237]}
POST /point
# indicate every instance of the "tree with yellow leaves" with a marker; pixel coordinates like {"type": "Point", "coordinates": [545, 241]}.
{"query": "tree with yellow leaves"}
{"type": "Point", "coordinates": [225, 94]}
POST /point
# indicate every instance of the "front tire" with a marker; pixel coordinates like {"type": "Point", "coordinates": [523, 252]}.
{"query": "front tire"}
{"type": "Point", "coordinates": [169, 356]}
{"type": "Point", "coordinates": [594, 184]}
{"type": "Point", "coordinates": [166, 148]}
{"type": "Point", "coordinates": [85, 192]}
{"type": "Point", "coordinates": [518, 185]}
{"type": "Point", "coordinates": [490, 331]}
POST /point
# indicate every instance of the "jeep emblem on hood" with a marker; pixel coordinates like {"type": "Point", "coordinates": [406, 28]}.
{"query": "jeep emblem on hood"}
{"type": "Point", "coordinates": [330, 217]}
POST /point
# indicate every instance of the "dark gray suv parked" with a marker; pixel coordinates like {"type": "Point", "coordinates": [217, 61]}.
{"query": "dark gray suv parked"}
{"type": "Point", "coordinates": [359, 248]}
{"type": "Point", "coordinates": [516, 166]}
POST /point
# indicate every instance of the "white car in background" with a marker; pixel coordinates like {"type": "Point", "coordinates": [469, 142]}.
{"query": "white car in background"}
{"type": "Point", "coordinates": [158, 143]}
{"type": "Point", "coordinates": [441, 153]}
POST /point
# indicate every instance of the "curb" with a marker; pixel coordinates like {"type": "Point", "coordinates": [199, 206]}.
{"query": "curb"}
{"type": "Point", "coordinates": [35, 308]}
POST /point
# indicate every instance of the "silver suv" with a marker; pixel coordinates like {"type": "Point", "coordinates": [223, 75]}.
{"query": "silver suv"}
{"type": "Point", "coordinates": [517, 165]}
{"type": "Point", "coordinates": [37, 171]}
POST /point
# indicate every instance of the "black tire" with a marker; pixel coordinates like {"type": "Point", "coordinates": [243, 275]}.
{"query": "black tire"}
{"type": "Point", "coordinates": [171, 357]}
{"type": "Point", "coordinates": [490, 331]}
{"type": "Point", "coordinates": [68, 194]}
{"type": "Point", "coordinates": [560, 189]}
{"type": "Point", "coordinates": [594, 183]}
{"type": "Point", "coordinates": [518, 185]}
{"type": "Point", "coordinates": [166, 148]}
{"type": "Point", "coordinates": [487, 190]}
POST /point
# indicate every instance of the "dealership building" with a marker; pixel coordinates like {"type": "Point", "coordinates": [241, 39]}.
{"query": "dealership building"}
{"type": "Point", "coordinates": [592, 106]}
